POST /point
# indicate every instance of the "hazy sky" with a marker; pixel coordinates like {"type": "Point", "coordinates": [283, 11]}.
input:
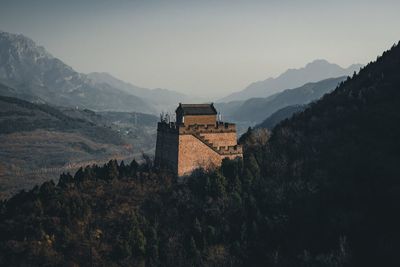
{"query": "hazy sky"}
{"type": "Point", "coordinates": [204, 47]}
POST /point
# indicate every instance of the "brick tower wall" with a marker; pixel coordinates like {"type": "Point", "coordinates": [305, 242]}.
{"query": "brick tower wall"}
{"type": "Point", "coordinates": [200, 119]}
{"type": "Point", "coordinates": [167, 149]}
{"type": "Point", "coordinates": [185, 148]}
{"type": "Point", "coordinates": [193, 153]}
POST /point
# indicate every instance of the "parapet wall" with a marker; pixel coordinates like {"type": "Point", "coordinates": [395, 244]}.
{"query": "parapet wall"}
{"type": "Point", "coordinates": [230, 150]}
{"type": "Point", "coordinates": [217, 128]}
{"type": "Point", "coordinates": [167, 127]}
{"type": "Point", "coordinates": [220, 127]}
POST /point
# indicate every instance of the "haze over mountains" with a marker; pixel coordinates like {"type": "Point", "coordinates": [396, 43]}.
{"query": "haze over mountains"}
{"type": "Point", "coordinates": [280, 115]}
{"type": "Point", "coordinates": [72, 110]}
{"type": "Point", "coordinates": [313, 72]}
{"type": "Point", "coordinates": [255, 110]}
{"type": "Point", "coordinates": [160, 99]}
{"type": "Point", "coordinates": [36, 75]}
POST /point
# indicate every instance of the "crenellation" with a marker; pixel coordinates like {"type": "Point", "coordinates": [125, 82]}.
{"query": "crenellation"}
{"type": "Point", "coordinates": [231, 149]}
{"type": "Point", "coordinates": [217, 128]}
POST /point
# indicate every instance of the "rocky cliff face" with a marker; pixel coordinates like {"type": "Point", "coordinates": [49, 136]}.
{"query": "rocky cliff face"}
{"type": "Point", "coordinates": [36, 75]}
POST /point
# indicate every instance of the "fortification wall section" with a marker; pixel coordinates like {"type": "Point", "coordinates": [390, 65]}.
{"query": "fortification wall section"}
{"type": "Point", "coordinates": [193, 153]}
{"type": "Point", "coordinates": [221, 139]}
{"type": "Point", "coordinates": [200, 119]}
{"type": "Point", "coordinates": [167, 149]}
{"type": "Point", "coordinates": [185, 148]}
{"type": "Point", "coordinates": [216, 128]}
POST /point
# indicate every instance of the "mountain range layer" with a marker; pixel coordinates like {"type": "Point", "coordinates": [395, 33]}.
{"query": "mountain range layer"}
{"type": "Point", "coordinates": [313, 72]}
{"type": "Point", "coordinates": [280, 115]}
{"type": "Point", "coordinates": [36, 75]}
{"type": "Point", "coordinates": [255, 110]}
{"type": "Point", "coordinates": [160, 99]}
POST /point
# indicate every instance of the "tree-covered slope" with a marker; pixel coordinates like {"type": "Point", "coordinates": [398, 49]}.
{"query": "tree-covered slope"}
{"type": "Point", "coordinates": [38, 141]}
{"type": "Point", "coordinates": [258, 109]}
{"type": "Point", "coordinates": [280, 115]}
{"type": "Point", "coordinates": [323, 191]}
{"type": "Point", "coordinates": [18, 115]}
{"type": "Point", "coordinates": [337, 162]}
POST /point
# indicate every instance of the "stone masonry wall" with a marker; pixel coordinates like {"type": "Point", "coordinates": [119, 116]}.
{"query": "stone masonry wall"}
{"type": "Point", "coordinates": [200, 119]}
{"type": "Point", "coordinates": [185, 148]}
{"type": "Point", "coordinates": [167, 150]}
{"type": "Point", "coordinates": [193, 153]}
{"type": "Point", "coordinates": [221, 139]}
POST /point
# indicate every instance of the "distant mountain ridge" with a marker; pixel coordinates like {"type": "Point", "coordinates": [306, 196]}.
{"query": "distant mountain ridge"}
{"type": "Point", "coordinates": [314, 71]}
{"type": "Point", "coordinates": [255, 110]}
{"type": "Point", "coordinates": [280, 115]}
{"type": "Point", "coordinates": [160, 99]}
{"type": "Point", "coordinates": [37, 76]}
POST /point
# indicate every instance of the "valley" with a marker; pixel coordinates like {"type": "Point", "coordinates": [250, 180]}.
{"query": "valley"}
{"type": "Point", "coordinates": [254, 110]}
{"type": "Point", "coordinates": [38, 142]}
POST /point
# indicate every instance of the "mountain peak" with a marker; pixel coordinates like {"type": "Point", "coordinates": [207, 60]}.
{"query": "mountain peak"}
{"type": "Point", "coordinates": [22, 45]}
{"type": "Point", "coordinates": [318, 63]}
{"type": "Point", "coordinates": [34, 73]}
{"type": "Point", "coordinates": [163, 99]}
{"type": "Point", "coordinates": [317, 70]}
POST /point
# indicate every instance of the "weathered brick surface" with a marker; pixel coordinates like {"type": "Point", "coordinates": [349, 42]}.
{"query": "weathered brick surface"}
{"type": "Point", "coordinates": [221, 139]}
{"type": "Point", "coordinates": [200, 119]}
{"type": "Point", "coordinates": [167, 150]}
{"type": "Point", "coordinates": [185, 147]}
{"type": "Point", "coordinates": [193, 154]}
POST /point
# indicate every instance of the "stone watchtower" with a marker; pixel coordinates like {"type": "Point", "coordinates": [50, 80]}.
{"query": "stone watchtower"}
{"type": "Point", "coordinates": [195, 140]}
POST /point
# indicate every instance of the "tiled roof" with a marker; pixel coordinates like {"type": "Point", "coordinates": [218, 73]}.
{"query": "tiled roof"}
{"type": "Point", "coordinates": [197, 109]}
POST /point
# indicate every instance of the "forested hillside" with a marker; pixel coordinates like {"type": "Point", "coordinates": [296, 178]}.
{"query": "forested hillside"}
{"type": "Point", "coordinates": [335, 163]}
{"type": "Point", "coordinates": [322, 190]}
{"type": "Point", "coordinates": [280, 115]}
{"type": "Point", "coordinates": [255, 110]}
{"type": "Point", "coordinates": [38, 141]}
